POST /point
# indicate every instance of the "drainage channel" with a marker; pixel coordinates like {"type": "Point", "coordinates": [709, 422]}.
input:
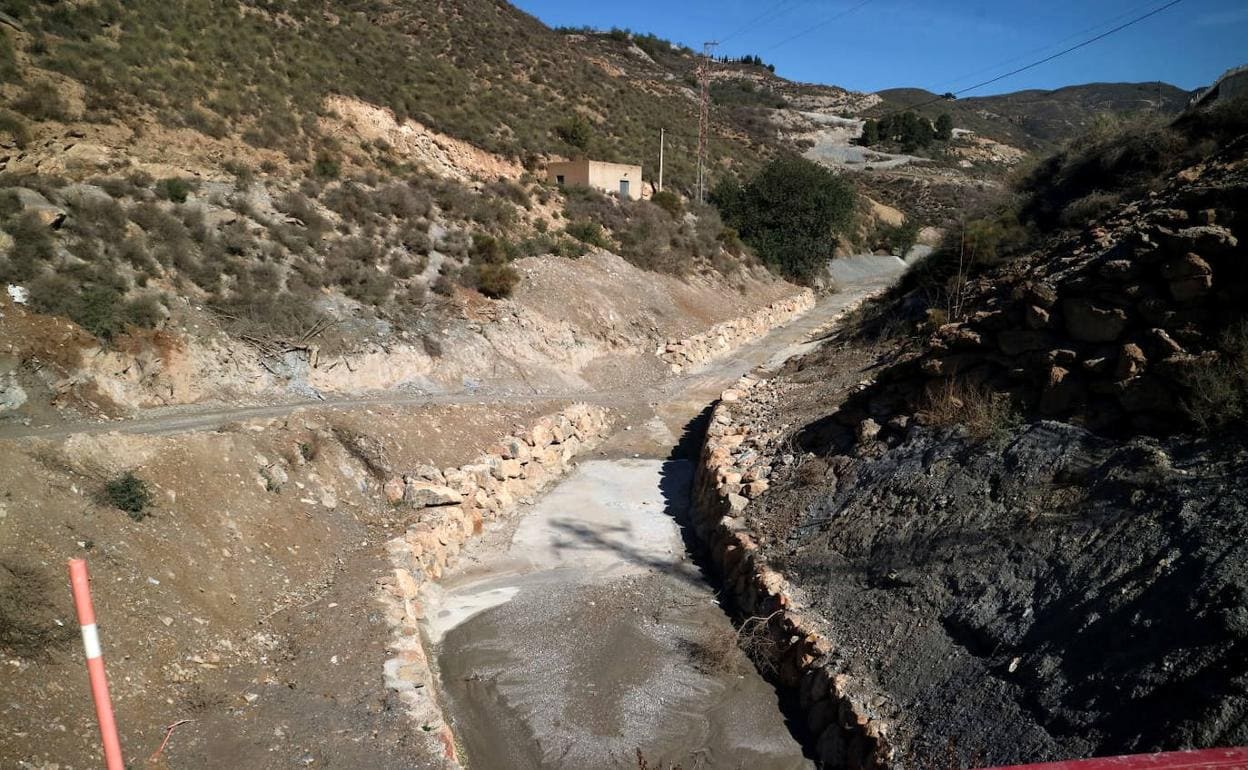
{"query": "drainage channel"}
{"type": "Point", "coordinates": [584, 636]}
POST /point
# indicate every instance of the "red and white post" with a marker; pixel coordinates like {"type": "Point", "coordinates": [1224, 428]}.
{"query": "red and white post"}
{"type": "Point", "coordinates": [81, 586]}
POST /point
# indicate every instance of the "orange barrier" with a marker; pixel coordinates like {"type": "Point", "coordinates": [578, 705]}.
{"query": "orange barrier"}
{"type": "Point", "coordinates": [1206, 759]}
{"type": "Point", "coordinates": [80, 584]}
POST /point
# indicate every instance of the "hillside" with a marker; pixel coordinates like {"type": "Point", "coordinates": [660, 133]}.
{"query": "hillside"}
{"type": "Point", "coordinates": [1035, 119]}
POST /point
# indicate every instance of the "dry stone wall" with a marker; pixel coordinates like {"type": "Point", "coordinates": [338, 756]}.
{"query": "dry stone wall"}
{"type": "Point", "coordinates": [725, 337]}
{"type": "Point", "coordinates": [449, 506]}
{"type": "Point", "coordinates": [841, 713]}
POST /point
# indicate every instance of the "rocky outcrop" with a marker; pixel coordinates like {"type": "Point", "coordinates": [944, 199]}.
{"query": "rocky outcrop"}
{"type": "Point", "coordinates": [1114, 329]}
{"type": "Point", "coordinates": [447, 507]}
{"type": "Point", "coordinates": [729, 335]}
{"type": "Point", "coordinates": [842, 715]}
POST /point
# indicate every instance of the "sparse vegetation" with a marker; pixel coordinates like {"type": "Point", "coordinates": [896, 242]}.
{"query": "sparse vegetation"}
{"type": "Point", "coordinates": [1219, 391]}
{"type": "Point", "coordinates": [128, 493]}
{"type": "Point", "coordinates": [983, 412]}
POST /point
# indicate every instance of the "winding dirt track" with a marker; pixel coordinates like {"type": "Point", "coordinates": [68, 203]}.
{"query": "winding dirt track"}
{"type": "Point", "coordinates": [776, 346]}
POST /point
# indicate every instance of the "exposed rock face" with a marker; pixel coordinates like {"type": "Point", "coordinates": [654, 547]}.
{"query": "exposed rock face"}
{"type": "Point", "coordinates": [1109, 329]}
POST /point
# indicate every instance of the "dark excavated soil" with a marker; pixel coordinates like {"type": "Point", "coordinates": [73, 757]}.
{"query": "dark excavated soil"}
{"type": "Point", "coordinates": [1046, 595]}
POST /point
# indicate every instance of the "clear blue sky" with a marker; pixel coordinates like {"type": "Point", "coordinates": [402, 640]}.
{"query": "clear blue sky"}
{"type": "Point", "coordinates": [942, 45]}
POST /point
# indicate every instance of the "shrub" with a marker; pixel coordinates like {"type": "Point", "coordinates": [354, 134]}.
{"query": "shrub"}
{"type": "Point", "coordinates": [1218, 393]}
{"type": "Point", "coordinates": [576, 131]}
{"type": "Point", "coordinates": [898, 239]}
{"type": "Point", "coordinates": [32, 248]}
{"type": "Point", "coordinates": [791, 214]}
{"type": "Point", "coordinates": [326, 166]}
{"type": "Point", "coordinates": [588, 233]}
{"type": "Point", "coordinates": [174, 189]}
{"type": "Point", "coordinates": [41, 101]}
{"type": "Point", "coordinates": [984, 414]}
{"type": "Point", "coordinates": [669, 202]}
{"type": "Point", "coordinates": [128, 493]}
{"type": "Point", "coordinates": [493, 280]}
{"type": "Point", "coordinates": [12, 124]}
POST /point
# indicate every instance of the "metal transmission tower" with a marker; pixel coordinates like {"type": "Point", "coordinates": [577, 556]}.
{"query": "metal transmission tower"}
{"type": "Point", "coordinates": [704, 116]}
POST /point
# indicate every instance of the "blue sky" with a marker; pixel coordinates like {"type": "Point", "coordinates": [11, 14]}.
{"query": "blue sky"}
{"type": "Point", "coordinates": [942, 45]}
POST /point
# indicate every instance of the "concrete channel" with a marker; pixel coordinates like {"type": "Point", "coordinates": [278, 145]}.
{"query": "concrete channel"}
{"type": "Point", "coordinates": [582, 634]}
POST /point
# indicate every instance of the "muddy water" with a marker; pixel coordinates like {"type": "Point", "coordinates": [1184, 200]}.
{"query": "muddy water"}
{"type": "Point", "coordinates": [585, 634]}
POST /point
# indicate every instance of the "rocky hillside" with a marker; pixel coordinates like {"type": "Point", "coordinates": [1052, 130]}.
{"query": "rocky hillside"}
{"type": "Point", "coordinates": [1019, 530]}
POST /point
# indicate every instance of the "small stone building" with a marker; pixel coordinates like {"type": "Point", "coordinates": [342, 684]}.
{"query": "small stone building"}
{"type": "Point", "coordinates": [619, 178]}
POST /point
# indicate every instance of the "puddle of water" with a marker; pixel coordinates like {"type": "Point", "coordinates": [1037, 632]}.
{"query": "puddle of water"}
{"type": "Point", "coordinates": [589, 635]}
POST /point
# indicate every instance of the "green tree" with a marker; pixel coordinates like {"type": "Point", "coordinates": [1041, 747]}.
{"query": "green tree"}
{"type": "Point", "coordinates": [576, 131]}
{"type": "Point", "coordinates": [944, 127]}
{"type": "Point", "coordinates": [791, 214]}
{"type": "Point", "coordinates": [870, 133]}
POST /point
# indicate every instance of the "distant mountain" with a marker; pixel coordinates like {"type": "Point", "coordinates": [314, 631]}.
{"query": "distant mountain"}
{"type": "Point", "coordinates": [1038, 120]}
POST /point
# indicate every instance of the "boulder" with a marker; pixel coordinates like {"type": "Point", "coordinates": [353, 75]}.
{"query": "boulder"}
{"type": "Point", "coordinates": [1062, 391]}
{"type": "Point", "coordinates": [394, 490]}
{"type": "Point", "coordinates": [1146, 393]}
{"type": "Point", "coordinates": [1088, 322]}
{"type": "Point", "coordinates": [1037, 317]}
{"type": "Point", "coordinates": [1131, 362]}
{"type": "Point", "coordinates": [1015, 342]}
{"type": "Point", "coordinates": [424, 494]}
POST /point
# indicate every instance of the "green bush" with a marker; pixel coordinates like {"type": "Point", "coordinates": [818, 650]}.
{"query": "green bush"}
{"type": "Point", "coordinates": [494, 281]}
{"type": "Point", "coordinates": [588, 233]}
{"type": "Point", "coordinates": [576, 131]}
{"type": "Point", "coordinates": [128, 493]}
{"type": "Point", "coordinates": [326, 166]}
{"type": "Point", "coordinates": [791, 214]}
{"type": "Point", "coordinates": [41, 101]}
{"type": "Point", "coordinates": [174, 189]}
{"type": "Point", "coordinates": [669, 202]}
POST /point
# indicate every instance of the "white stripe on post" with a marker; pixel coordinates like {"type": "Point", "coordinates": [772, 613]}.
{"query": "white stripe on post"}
{"type": "Point", "coordinates": [91, 641]}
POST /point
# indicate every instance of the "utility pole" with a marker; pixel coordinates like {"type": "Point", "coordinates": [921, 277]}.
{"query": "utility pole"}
{"type": "Point", "coordinates": [704, 117]}
{"type": "Point", "coordinates": [662, 141]}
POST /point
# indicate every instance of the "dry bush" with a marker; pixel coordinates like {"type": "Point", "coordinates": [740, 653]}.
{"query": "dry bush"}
{"type": "Point", "coordinates": [719, 651]}
{"type": "Point", "coordinates": [1219, 392]}
{"type": "Point", "coordinates": [984, 413]}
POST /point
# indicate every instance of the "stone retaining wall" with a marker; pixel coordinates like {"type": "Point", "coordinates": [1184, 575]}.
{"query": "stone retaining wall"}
{"type": "Point", "coordinates": [725, 337]}
{"type": "Point", "coordinates": [841, 714]}
{"type": "Point", "coordinates": [449, 506]}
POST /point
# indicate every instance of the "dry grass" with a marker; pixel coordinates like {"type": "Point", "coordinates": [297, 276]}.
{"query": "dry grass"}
{"type": "Point", "coordinates": [984, 414]}
{"type": "Point", "coordinates": [720, 650]}
{"type": "Point", "coordinates": [1219, 393]}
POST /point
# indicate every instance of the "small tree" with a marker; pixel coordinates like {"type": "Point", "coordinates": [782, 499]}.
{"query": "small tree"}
{"type": "Point", "coordinates": [944, 127]}
{"type": "Point", "coordinates": [870, 133]}
{"type": "Point", "coordinates": [576, 131]}
{"type": "Point", "coordinates": [790, 214]}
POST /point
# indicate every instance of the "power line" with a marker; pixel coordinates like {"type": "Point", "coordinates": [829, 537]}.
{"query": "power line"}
{"type": "Point", "coordinates": [753, 23]}
{"type": "Point", "coordinates": [1045, 60]}
{"type": "Point", "coordinates": [818, 26]}
{"type": "Point", "coordinates": [1047, 47]}
{"type": "Point", "coordinates": [1072, 49]}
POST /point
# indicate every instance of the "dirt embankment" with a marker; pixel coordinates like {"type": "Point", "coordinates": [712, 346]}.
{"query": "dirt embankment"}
{"type": "Point", "coordinates": [1049, 594]}
{"type": "Point", "coordinates": [243, 599]}
{"type": "Point", "coordinates": [571, 326]}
